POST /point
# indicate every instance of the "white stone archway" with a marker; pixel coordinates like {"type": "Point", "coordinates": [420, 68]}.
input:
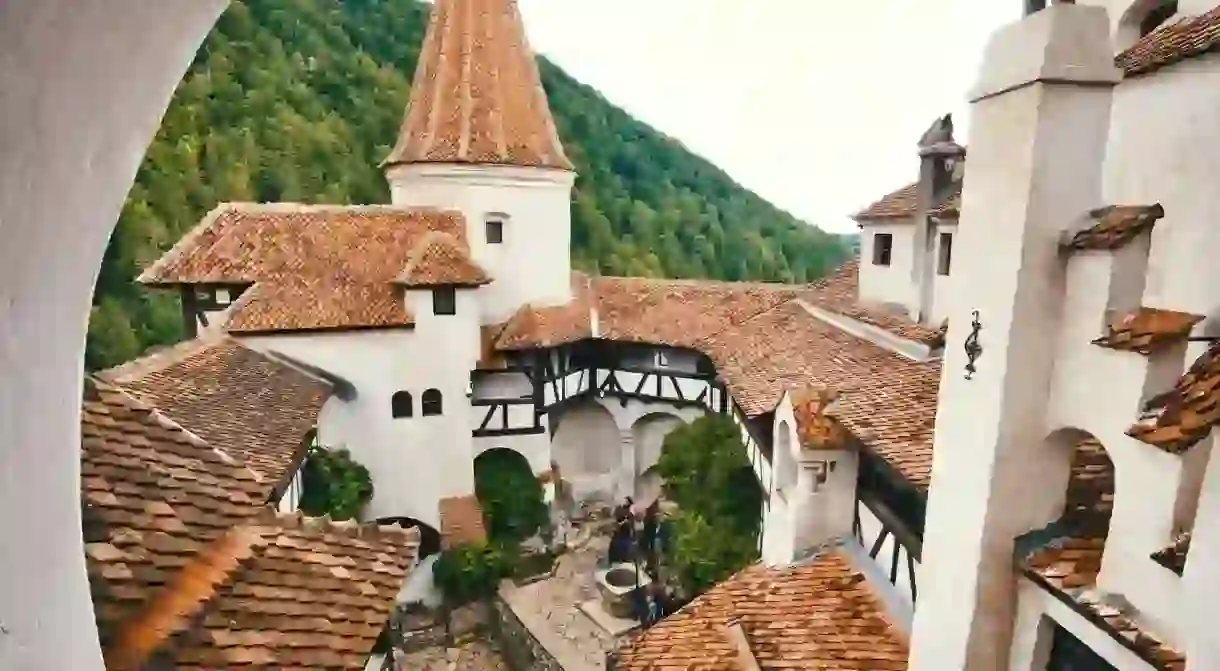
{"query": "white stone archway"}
{"type": "Point", "coordinates": [647, 437]}
{"type": "Point", "coordinates": [85, 85]}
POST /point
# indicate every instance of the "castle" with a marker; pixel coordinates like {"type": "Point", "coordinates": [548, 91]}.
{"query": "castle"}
{"type": "Point", "coordinates": [999, 472]}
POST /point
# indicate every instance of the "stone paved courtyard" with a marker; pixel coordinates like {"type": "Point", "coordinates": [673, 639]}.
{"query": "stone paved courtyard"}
{"type": "Point", "coordinates": [473, 656]}
{"type": "Point", "coordinates": [551, 608]}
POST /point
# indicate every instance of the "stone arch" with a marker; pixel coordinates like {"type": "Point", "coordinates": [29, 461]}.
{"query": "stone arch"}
{"type": "Point", "coordinates": [1141, 18]}
{"type": "Point", "coordinates": [88, 81]}
{"type": "Point", "coordinates": [429, 537]}
{"type": "Point", "coordinates": [647, 438]}
{"type": "Point", "coordinates": [588, 447]}
{"type": "Point", "coordinates": [1088, 480]}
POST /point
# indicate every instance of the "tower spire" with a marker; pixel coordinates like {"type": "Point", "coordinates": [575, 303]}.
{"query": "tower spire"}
{"type": "Point", "coordinates": [477, 97]}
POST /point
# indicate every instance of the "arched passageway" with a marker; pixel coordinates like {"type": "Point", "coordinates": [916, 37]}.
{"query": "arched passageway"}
{"type": "Point", "coordinates": [429, 537]}
{"type": "Point", "coordinates": [588, 448]}
{"type": "Point", "coordinates": [648, 438]}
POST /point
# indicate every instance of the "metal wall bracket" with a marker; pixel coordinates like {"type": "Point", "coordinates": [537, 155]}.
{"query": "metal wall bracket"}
{"type": "Point", "coordinates": [973, 349]}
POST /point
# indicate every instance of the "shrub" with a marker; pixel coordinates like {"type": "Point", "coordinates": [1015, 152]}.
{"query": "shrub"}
{"type": "Point", "coordinates": [334, 484]}
{"type": "Point", "coordinates": [472, 572]}
{"type": "Point", "coordinates": [510, 495]}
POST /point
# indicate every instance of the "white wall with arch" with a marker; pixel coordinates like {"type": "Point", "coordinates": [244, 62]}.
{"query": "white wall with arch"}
{"type": "Point", "coordinates": [606, 447]}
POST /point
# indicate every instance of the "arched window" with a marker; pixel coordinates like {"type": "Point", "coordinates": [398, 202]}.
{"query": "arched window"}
{"type": "Point", "coordinates": [1158, 16]}
{"type": "Point", "coordinates": [431, 403]}
{"type": "Point", "coordinates": [401, 405]}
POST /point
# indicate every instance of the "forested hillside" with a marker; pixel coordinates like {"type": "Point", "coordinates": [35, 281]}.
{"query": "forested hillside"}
{"type": "Point", "coordinates": [298, 100]}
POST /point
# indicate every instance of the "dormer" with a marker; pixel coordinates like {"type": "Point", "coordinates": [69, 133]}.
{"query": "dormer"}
{"type": "Point", "coordinates": [438, 270]}
{"type": "Point", "coordinates": [813, 501]}
{"type": "Point", "coordinates": [907, 237]}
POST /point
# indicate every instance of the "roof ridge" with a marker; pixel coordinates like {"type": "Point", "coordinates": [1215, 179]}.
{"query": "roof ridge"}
{"type": "Point", "coordinates": [182, 597]}
{"type": "Point", "coordinates": [307, 524]}
{"type": "Point", "coordinates": [157, 359]}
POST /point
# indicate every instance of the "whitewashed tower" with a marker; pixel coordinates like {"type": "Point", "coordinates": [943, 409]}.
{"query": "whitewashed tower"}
{"type": "Point", "coordinates": [478, 136]}
{"type": "Point", "coordinates": [1040, 122]}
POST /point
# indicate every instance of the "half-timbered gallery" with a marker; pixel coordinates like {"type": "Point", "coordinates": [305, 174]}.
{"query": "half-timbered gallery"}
{"type": "Point", "coordinates": [1068, 387]}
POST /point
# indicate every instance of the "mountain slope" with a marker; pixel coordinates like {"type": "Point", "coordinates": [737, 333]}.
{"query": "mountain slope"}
{"type": "Point", "coordinates": [298, 100]}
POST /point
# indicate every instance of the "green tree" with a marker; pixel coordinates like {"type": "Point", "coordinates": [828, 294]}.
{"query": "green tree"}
{"type": "Point", "coordinates": [334, 484]}
{"type": "Point", "coordinates": [708, 475]}
{"type": "Point", "coordinates": [510, 495]}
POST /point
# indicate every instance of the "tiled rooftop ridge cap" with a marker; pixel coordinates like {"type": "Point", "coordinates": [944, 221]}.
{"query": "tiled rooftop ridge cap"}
{"type": "Point", "coordinates": [183, 597]}
{"type": "Point", "coordinates": [477, 96]}
{"type": "Point", "coordinates": [274, 520]}
{"type": "Point", "coordinates": [1111, 227]}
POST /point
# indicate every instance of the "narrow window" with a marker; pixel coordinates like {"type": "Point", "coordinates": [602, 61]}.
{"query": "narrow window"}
{"type": "Point", "coordinates": [946, 254]}
{"type": "Point", "coordinates": [661, 360]}
{"type": "Point", "coordinates": [495, 230]}
{"type": "Point", "coordinates": [1032, 6]}
{"type": "Point", "coordinates": [444, 301]}
{"type": "Point", "coordinates": [883, 248]}
{"type": "Point", "coordinates": [1158, 16]}
{"type": "Point", "coordinates": [401, 406]}
{"type": "Point", "coordinates": [431, 403]}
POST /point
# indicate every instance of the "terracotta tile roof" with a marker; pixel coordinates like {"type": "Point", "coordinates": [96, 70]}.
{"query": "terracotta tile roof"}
{"type": "Point", "coordinates": [315, 595]}
{"type": "Point", "coordinates": [532, 327]}
{"type": "Point", "coordinates": [1070, 566]}
{"type": "Point", "coordinates": [461, 521]}
{"type": "Point", "coordinates": [188, 569]}
{"type": "Point", "coordinates": [1148, 329]}
{"type": "Point", "coordinates": [239, 401]}
{"type": "Point", "coordinates": [1114, 226]}
{"type": "Point", "coordinates": [901, 203]}
{"type": "Point", "coordinates": [816, 426]}
{"type": "Point", "coordinates": [1066, 557]}
{"type": "Point", "coordinates": [839, 292]}
{"type": "Point", "coordinates": [477, 96]}
{"type": "Point", "coordinates": [152, 495]}
{"type": "Point", "coordinates": [820, 614]}
{"type": "Point", "coordinates": [885, 400]}
{"type": "Point", "coordinates": [439, 260]}
{"type": "Point", "coordinates": [1173, 556]}
{"type": "Point", "coordinates": [489, 357]}
{"type": "Point", "coordinates": [312, 266]}
{"type": "Point", "coordinates": [763, 343]}
{"type": "Point", "coordinates": [1179, 418]}
{"type": "Point", "coordinates": [1189, 37]}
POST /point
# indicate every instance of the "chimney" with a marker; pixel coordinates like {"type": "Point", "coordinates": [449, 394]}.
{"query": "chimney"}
{"type": "Point", "coordinates": [940, 158]}
{"type": "Point", "coordinates": [737, 636]}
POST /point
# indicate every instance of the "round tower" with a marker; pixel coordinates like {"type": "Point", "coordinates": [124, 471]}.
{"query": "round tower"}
{"type": "Point", "coordinates": [478, 136]}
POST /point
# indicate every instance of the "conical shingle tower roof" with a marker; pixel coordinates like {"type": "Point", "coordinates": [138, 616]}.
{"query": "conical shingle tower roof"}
{"type": "Point", "coordinates": [477, 97]}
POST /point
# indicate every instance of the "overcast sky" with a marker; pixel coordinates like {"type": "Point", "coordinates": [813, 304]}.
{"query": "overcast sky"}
{"type": "Point", "coordinates": [815, 105]}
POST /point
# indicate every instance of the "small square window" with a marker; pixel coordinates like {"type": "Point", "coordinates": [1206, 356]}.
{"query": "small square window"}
{"type": "Point", "coordinates": [495, 231]}
{"type": "Point", "coordinates": [945, 259]}
{"type": "Point", "coordinates": [883, 248]}
{"type": "Point", "coordinates": [444, 301]}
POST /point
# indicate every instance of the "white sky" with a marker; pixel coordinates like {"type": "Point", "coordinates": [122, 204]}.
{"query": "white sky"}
{"type": "Point", "coordinates": [815, 105]}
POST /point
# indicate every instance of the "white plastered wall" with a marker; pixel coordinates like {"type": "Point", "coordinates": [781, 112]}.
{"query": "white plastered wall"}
{"type": "Point", "coordinates": [85, 83]}
{"type": "Point", "coordinates": [599, 443]}
{"type": "Point", "coordinates": [532, 264]}
{"type": "Point", "coordinates": [414, 461]}
{"type": "Point", "coordinates": [892, 283]}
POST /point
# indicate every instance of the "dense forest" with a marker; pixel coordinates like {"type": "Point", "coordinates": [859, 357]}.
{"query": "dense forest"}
{"type": "Point", "coordinates": [298, 100]}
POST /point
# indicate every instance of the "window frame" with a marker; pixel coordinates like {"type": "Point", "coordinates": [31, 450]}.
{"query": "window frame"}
{"type": "Point", "coordinates": [883, 254]}
{"type": "Point", "coordinates": [494, 223]}
{"type": "Point", "coordinates": [395, 409]}
{"type": "Point", "coordinates": [432, 403]}
{"type": "Point", "coordinates": [444, 301]}
{"type": "Point", "coordinates": [944, 253]}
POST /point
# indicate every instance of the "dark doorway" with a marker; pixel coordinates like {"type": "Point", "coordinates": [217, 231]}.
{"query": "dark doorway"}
{"type": "Point", "coordinates": [429, 538]}
{"type": "Point", "coordinates": [1069, 653]}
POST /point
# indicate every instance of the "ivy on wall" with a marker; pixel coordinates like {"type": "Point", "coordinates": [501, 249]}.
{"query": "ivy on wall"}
{"type": "Point", "coordinates": [510, 495]}
{"type": "Point", "coordinates": [334, 484]}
